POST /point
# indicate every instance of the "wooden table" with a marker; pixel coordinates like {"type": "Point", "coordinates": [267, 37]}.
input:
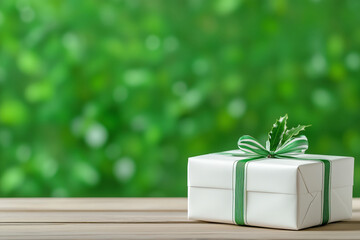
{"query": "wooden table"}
{"type": "Point", "coordinates": [138, 218]}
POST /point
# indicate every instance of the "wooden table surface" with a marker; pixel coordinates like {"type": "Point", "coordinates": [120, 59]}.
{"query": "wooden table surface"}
{"type": "Point", "coordinates": [138, 218]}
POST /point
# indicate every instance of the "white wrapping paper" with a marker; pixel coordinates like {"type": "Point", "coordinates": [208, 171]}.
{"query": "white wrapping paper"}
{"type": "Point", "coordinates": [280, 193]}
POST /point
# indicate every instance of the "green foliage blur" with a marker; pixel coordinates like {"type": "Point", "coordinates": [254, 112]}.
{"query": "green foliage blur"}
{"type": "Point", "coordinates": [110, 98]}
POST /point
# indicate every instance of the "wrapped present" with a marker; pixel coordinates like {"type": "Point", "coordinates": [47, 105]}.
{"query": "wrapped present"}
{"type": "Point", "coordinates": [277, 186]}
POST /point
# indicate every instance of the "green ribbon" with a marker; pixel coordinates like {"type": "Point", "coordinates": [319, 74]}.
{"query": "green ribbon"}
{"type": "Point", "coordinates": [253, 150]}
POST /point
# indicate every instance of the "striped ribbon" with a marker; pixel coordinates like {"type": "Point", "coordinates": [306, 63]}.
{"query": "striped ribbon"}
{"type": "Point", "coordinates": [253, 150]}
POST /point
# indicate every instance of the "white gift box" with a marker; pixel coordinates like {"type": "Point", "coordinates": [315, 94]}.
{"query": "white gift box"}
{"type": "Point", "coordinates": [279, 193]}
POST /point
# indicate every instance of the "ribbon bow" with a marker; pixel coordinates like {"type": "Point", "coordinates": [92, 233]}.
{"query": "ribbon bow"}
{"type": "Point", "coordinates": [294, 146]}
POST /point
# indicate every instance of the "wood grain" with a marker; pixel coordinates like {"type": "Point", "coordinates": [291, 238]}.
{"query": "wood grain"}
{"type": "Point", "coordinates": [91, 204]}
{"type": "Point", "coordinates": [138, 218]}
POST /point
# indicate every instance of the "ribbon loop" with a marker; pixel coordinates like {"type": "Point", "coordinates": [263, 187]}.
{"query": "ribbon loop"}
{"type": "Point", "coordinates": [248, 144]}
{"type": "Point", "coordinates": [293, 146]}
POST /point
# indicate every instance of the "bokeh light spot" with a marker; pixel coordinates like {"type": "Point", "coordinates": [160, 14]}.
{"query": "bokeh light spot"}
{"type": "Point", "coordinates": [200, 66]}
{"type": "Point", "coordinates": [236, 108]}
{"type": "Point", "coordinates": [86, 173]}
{"type": "Point", "coordinates": [49, 167]}
{"type": "Point", "coordinates": [224, 7]}
{"type": "Point", "coordinates": [90, 110]}
{"type": "Point", "coordinates": [23, 152]}
{"type": "Point", "coordinates": [60, 192]}
{"type": "Point", "coordinates": [352, 61]}
{"type": "Point", "coordinates": [179, 88]}
{"type": "Point", "coordinates": [12, 112]}
{"type": "Point", "coordinates": [139, 123]}
{"type": "Point", "coordinates": [96, 135]}
{"type": "Point", "coordinates": [73, 45]}
{"type": "Point", "coordinates": [322, 98]}
{"type": "Point", "coordinates": [77, 125]}
{"type": "Point", "coordinates": [152, 42]}
{"type": "Point", "coordinates": [335, 45]}
{"type": "Point", "coordinates": [120, 94]}
{"type": "Point", "coordinates": [29, 63]}
{"type": "Point", "coordinates": [39, 91]}
{"type": "Point", "coordinates": [317, 65]}
{"type": "Point", "coordinates": [11, 179]}
{"type": "Point", "coordinates": [124, 169]}
{"type": "Point", "coordinates": [192, 98]}
{"type": "Point", "coordinates": [107, 15]}
{"type": "Point", "coordinates": [136, 77]}
{"type": "Point", "coordinates": [27, 14]}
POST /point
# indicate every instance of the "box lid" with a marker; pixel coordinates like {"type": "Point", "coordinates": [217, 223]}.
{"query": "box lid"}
{"type": "Point", "coordinates": [269, 175]}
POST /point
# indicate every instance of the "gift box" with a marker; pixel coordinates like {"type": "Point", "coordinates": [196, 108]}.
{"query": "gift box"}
{"type": "Point", "coordinates": [294, 191]}
{"type": "Point", "coordinates": [280, 193]}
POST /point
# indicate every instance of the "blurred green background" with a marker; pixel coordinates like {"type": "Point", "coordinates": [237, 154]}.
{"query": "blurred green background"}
{"type": "Point", "coordinates": [110, 98]}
